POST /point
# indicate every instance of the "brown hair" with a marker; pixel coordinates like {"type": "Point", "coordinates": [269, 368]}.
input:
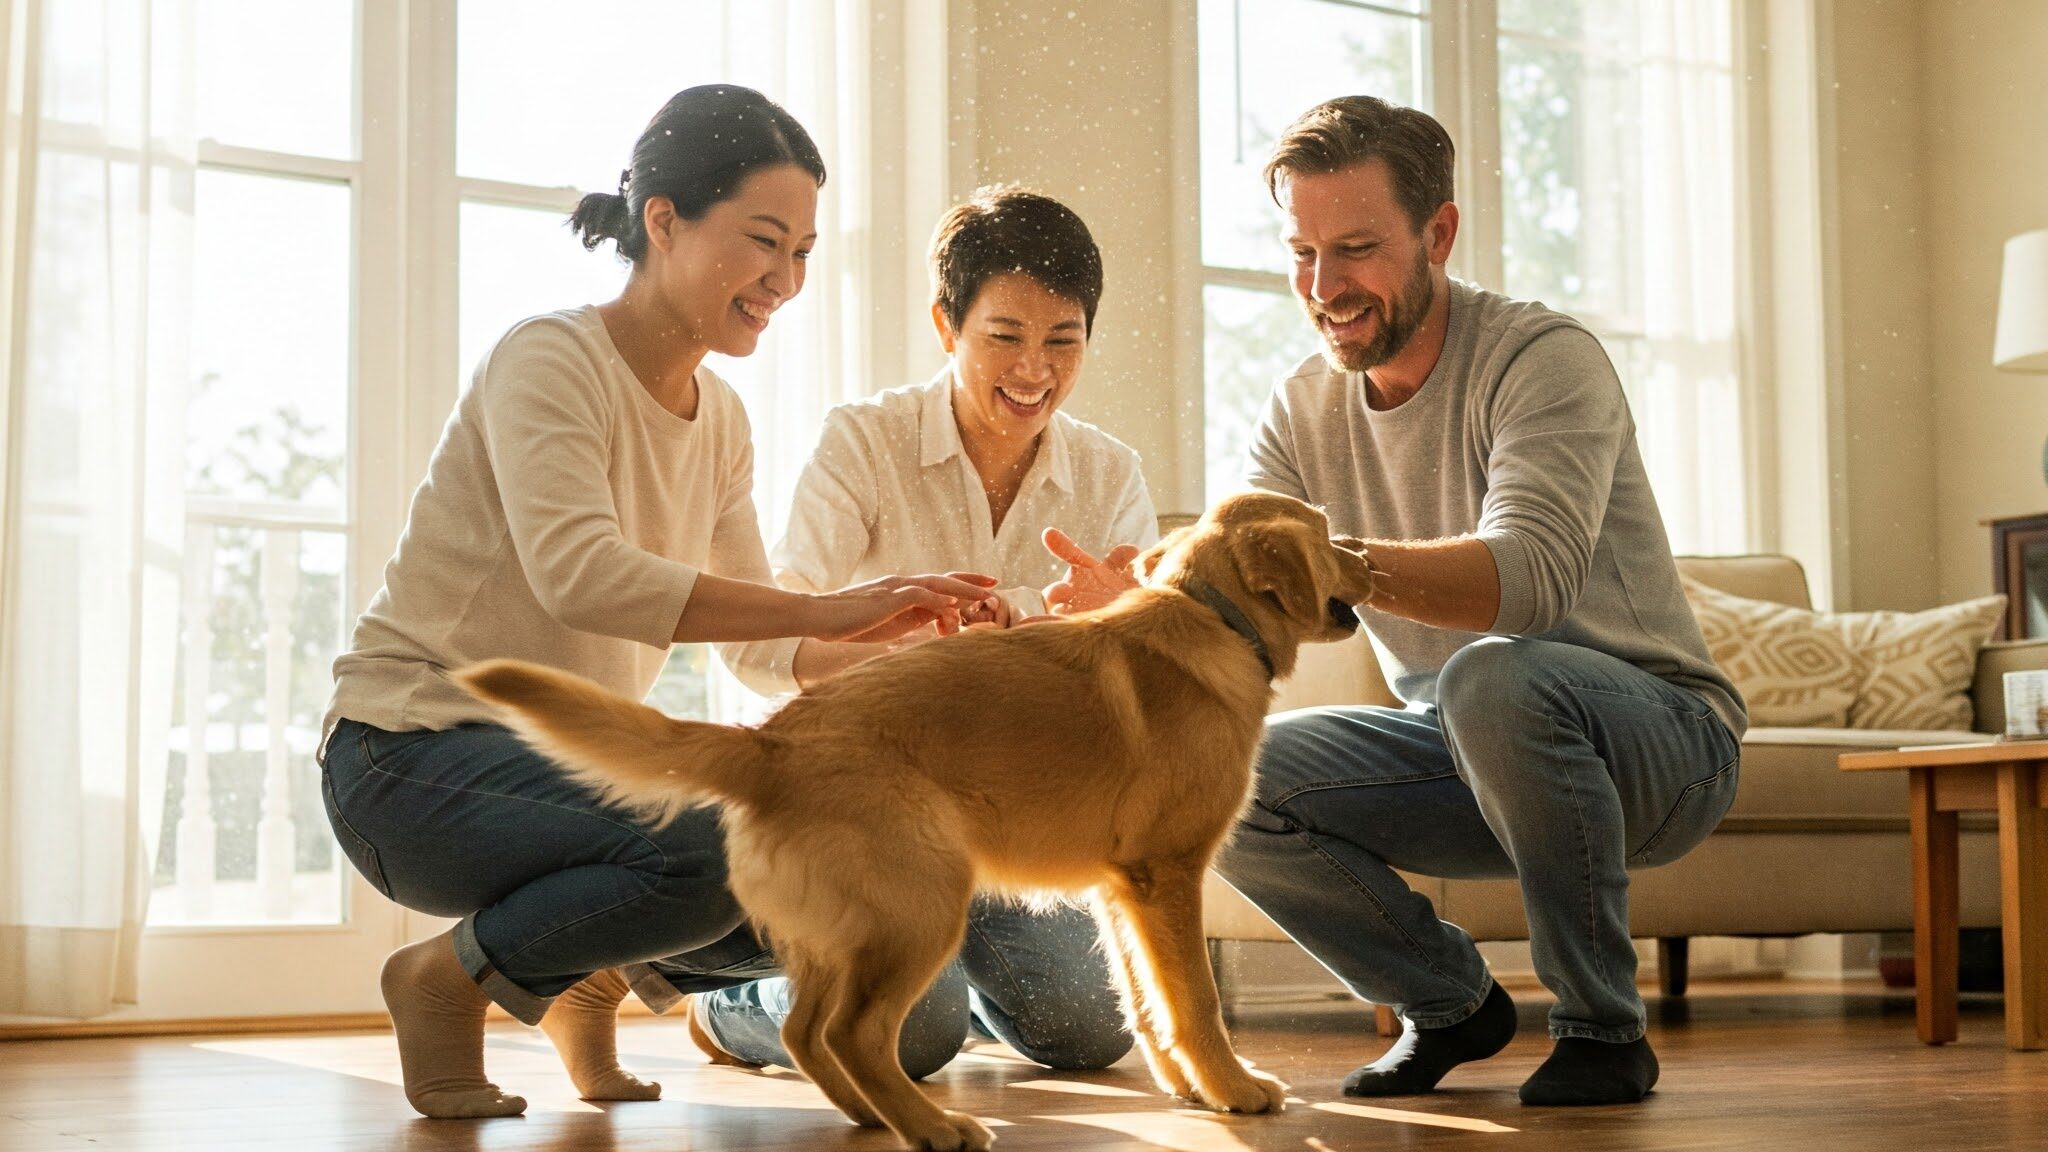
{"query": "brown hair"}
{"type": "Point", "coordinates": [1337, 134]}
{"type": "Point", "coordinates": [1005, 228]}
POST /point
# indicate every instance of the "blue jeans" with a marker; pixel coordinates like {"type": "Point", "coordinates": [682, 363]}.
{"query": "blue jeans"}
{"type": "Point", "coordinates": [551, 885]}
{"type": "Point", "coordinates": [1034, 980]}
{"type": "Point", "coordinates": [1551, 763]}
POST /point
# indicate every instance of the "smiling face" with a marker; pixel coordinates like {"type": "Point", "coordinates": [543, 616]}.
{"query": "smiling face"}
{"type": "Point", "coordinates": [1016, 356]}
{"type": "Point", "coordinates": [1362, 270]}
{"type": "Point", "coordinates": [724, 274]}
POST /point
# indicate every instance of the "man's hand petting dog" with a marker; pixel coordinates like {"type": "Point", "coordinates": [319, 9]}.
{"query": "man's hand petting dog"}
{"type": "Point", "coordinates": [1090, 583]}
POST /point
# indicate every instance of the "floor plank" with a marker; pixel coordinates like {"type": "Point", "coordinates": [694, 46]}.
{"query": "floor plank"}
{"type": "Point", "coordinates": [1752, 1066]}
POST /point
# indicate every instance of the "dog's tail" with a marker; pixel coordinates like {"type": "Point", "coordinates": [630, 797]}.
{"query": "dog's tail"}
{"type": "Point", "coordinates": [633, 755]}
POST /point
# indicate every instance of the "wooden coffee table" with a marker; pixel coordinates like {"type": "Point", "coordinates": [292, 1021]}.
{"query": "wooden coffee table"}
{"type": "Point", "coordinates": [2012, 780]}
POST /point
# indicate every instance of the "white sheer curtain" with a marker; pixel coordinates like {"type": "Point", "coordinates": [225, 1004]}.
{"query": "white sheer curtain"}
{"type": "Point", "coordinates": [1659, 159]}
{"type": "Point", "coordinates": [810, 56]}
{"type": "Point", "coordinates": [97, 200]}
{"type": "Point", "coordinates": [1687, 398]}
{"type": "Point", "coordinates": [1618, 149]}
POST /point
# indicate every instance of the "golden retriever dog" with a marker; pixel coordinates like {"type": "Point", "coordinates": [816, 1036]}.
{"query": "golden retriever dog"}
{"type": "Point", "coordinates": [1105, 755]}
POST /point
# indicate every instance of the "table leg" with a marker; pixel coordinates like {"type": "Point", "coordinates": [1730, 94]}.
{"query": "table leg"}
{"type": "Point", "coordinates": [2023, 888]}
{"type": "Point", "coordinates": [1935, 913]}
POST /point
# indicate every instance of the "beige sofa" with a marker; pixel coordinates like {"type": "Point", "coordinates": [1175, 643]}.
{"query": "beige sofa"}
{"type": "Point", "coordinates": [1806, 848]}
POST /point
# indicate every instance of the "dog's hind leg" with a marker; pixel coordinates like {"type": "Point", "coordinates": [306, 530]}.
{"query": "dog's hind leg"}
{"type": "Point", "coordinates": [887, 971]}
{"type": "Point", "coordinates": [1162, 904]}
{"type": "Point", "coordinates": [1118, 943]}
{"type": "Point", "coordinates": [816, 983]}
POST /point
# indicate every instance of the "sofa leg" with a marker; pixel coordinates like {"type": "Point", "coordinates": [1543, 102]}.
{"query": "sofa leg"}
{"type": "Point", "coordinates": [1672, 954]}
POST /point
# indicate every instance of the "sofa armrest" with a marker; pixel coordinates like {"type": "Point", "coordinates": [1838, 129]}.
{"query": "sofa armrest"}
{"type": "Point", "coordinates": [1993, 662]}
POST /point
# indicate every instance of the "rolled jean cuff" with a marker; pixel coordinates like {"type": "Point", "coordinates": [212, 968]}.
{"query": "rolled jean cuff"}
{"type": "Point", "coordinates": [653, 989]}
{"type": "Point", "coordinates": [1625, 1035]}
{"type": "Point", "coordinates": [1456, 1015]}
{"type": "Point", "coordinates": [524, 1006]}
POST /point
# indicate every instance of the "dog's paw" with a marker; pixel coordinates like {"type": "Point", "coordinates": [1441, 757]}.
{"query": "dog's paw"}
{"type": "Point", "coordinates": [960, 1133]}
{"type": "Point", "coordinates": [974, 1136]}
{"type": "Point", "coordinates": [1246, 1091]}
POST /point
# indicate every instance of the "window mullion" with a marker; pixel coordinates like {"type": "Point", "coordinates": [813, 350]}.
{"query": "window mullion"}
{"type": "Point", "coordinates": [561, 199]}
{"type": "Point", "coordinates": [1465, 85]}
{"type": "Point", "coordinates": [376, 491]}
{"type": "Point", "coordinates": [1246, 278]}
{"type": "Point", "coordinates": [263, 162]}
{"type": "Point", "coordinates": [433, 231]}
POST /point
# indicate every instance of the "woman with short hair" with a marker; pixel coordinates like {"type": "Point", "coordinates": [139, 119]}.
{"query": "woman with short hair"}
{"type": "Point", "coordinates": [969, 470]}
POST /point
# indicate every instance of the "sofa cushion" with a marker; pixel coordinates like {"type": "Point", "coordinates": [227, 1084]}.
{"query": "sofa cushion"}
{"type": "Point", "coordinates": [1789, 777]}
{"type": "Point", "coordinates": [1790, 670]}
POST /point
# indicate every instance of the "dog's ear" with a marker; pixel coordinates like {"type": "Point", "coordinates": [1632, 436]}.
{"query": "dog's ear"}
{"type": "Point", "coordinates": [1150, 558]}
{"type": "Point", "coordinates": [1277, 559]}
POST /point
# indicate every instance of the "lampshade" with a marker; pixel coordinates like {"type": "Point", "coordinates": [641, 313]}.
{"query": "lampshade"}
{"type": "Point", "coordinates": [2022, 341]}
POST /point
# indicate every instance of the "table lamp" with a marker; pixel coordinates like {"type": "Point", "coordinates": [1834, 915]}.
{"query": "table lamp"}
{"type": "Point", "coordinates": [2021, 344]}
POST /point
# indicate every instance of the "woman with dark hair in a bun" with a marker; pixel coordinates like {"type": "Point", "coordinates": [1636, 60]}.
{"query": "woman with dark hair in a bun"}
{"type": "Point", "coordinates": [589, 505]}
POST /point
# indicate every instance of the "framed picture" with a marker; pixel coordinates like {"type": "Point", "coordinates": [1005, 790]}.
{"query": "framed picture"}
{"type": "Point", "coordinates": [2019, 568]}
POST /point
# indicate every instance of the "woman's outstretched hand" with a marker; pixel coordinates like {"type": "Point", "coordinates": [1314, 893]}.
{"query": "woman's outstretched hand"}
{"type": "Point", "coordinates": [885, 609]}
{"type": "Point", "coordinates": [1089, 583]}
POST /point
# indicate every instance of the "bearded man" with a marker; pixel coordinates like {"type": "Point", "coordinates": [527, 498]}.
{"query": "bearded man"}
{"type": "Point", "coordinates": [1564, 722]}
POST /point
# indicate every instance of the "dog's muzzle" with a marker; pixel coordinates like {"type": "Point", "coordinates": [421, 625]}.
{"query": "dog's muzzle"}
{"type": "Point", "coordinates": [1342, 615]}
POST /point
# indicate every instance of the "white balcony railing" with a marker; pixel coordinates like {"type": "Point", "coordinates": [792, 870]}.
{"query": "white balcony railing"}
{"type": "Point", "coordinates": [280, 892]}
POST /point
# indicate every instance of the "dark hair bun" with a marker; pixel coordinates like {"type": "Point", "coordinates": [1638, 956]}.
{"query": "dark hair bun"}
{"type": "Point", "coordinates": [697, 151]}
{"type": "Point", "coordinates": [601, 216]}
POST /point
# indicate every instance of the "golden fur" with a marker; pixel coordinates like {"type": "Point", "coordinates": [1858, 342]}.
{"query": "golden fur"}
{"type": "Point", "coordinates": [1105, 755]}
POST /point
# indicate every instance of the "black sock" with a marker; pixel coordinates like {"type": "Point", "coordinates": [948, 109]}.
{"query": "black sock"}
{"type": "Point", "coordinates": [1422, 1055]}
{"type": "Point", "coordinates": [1582, 1071]}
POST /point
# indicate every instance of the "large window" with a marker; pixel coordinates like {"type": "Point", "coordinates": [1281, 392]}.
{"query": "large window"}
{"type": "Point", "coordinates": [1261, 64]}
{"type": "Point", "coordinates": [285, 267]}
{"type": "Point", "coordinates": [1613, 178]}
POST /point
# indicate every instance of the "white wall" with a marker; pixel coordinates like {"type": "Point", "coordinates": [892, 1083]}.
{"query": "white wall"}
{"type": "Point", "coordinates": [1073, 99]}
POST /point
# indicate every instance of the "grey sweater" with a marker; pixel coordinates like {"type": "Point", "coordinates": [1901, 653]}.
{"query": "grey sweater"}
{"type": "Point", "coordinates": [1521, 436]}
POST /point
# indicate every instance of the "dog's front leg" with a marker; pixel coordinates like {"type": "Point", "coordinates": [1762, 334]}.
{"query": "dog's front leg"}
{"type": "Point", "coordinates": [1162, 907]}
{"type": "Point", "coordinates": [1119, 943]}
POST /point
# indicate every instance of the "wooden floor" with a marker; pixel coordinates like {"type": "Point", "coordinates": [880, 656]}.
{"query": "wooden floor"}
{"type": "Point", "coordinates": [1753, 1066]}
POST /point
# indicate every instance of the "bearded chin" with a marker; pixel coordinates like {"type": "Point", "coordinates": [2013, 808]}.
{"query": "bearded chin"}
{"type": "Point", "coordinates": [1398, 325]}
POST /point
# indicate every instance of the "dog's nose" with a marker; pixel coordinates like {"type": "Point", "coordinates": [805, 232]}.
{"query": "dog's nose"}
{"type": "Point", "coordinates": [1342, 616]}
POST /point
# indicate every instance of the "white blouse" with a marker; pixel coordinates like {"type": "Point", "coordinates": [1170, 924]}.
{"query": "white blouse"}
{"type": "Point", "coordinates": [890, 491]}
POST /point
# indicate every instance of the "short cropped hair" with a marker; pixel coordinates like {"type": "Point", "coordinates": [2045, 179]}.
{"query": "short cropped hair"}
{"type": "Point", "coordinates": [1005, 228]}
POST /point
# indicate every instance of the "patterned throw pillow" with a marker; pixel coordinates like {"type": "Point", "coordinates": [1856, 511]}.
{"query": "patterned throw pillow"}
{"type": "Point", "coordinates": [1802, 669]}
{"type": "Point", "coordinates": [1919, 664]}
{"type": "Point", "coordinates": [1792, 671]}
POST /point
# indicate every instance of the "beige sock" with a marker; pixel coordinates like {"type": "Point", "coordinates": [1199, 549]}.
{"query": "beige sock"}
{"type": "Point", "coordinates": [584, 1024]}
{"type": "Point", "coordinates": [438, 1013]}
